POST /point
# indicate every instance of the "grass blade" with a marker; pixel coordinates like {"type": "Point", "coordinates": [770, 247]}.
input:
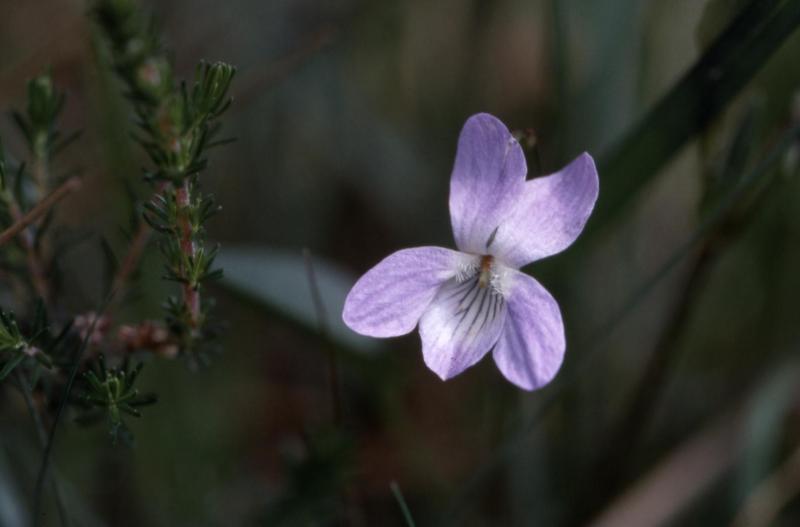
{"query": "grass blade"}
{"type": "Point", "coordinates": [398, 495]}
{"type": "Point", "coordinates": [689, 107]}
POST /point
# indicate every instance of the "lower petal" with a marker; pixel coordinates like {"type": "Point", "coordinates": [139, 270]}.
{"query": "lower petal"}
{"type": "Point", "coordinates": [460, 326]}
{"type": "Point", "coordinates": [531, 348]}
{"type": "Point", "coordinates": [390, 298]}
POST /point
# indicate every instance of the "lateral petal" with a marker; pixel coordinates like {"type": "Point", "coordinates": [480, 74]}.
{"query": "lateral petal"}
{"type": "Point", "coordinates": [390, 298]}
{"type": "Point", "coordinates": [530, 350]}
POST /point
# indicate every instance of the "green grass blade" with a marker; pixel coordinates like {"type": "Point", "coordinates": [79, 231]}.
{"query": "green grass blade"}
{"type": "Point", "coordinates": [401, 502]}
{"type": "Point", "coordinates": [689, 107]}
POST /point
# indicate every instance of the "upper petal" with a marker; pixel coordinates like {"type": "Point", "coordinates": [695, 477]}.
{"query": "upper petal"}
{"type": "Point", "coordinates": [488, 175]}
{"type": "Point", "coordinates": [530, 349]}
{"type": "Point", "coordinates": [389, 299]}
{"type": "Point", "coordinates": [550, 214]}
{"type": "Point", "coordinates": [460, 326]}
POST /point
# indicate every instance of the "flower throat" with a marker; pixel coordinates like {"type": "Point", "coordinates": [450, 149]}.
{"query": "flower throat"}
{"type": "Point", "coordinates": [486, 270]}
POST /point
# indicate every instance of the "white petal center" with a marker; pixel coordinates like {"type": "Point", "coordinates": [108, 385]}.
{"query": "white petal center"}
{"type": "Point", "coordinates": [486, 271]}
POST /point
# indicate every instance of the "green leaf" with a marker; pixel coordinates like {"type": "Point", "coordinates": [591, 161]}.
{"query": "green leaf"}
{"type": "Point", "coordinates": [277, 281]}
{"type": "Point", "coordinates": [689, 107]}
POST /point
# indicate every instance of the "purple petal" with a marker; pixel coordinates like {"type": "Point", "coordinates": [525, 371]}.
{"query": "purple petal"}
{"type": "Point", "coordinates": [550, 214]}
{"type": "Point", "coordinates": [389, 299]}
{"type": "Point", "coordinates": [530, 350]}
{"type": "Point", "coordinates": [460, 326]}
{"type": "Point", "coordinates": [488, 176]}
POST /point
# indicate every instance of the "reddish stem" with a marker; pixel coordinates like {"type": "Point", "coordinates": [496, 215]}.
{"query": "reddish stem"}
{"type": "Point", "coordinates": [22, 221]}
{"type": "Point", "coordinates": [20, 228]}
{"type": "Point", "coordinates": [191, 296]}
{"type": "Point", "coordinates": [35, 266]}
{"type": "Point", "coordinates": [132, 257]}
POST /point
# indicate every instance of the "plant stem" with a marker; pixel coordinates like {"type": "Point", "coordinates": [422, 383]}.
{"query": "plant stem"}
{"type": "Point", "coordinates": [614, 462]}
{"type": "Point", "coordinates": [334, 383]}
{"type": "Point", "coordinates": [132, 258]}
{"type": "Point", "coordinates": [26, 391]}
{"type": "Point", "coordinates": [73, 373]}
{"type": "Point", "coordinates": [35, 266]}
{"type": "Point", "coordinates": [21, 221]}
{"type": "Point", "coordinates": [398, 495]}
{"type": "Point", "coordinates": [615, 457]}
{"type": "Point", "coordinates": [191, 294]}
{"type": "Point", "coordinates": [773, 494]}
{"type": "Point", "coordinates": [349, 511]}
{"type": "Point", "coordinates": [40, 174]}
{"type": "Point", "coordinates": [134, 255]}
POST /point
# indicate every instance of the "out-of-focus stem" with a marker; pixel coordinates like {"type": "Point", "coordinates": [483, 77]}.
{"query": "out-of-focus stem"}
{"type": "Point", "coordinates": [350, 513]}
{"type": "Point", "coordinates": [334, 383]}
{"type": "Point", "coordinates": [27, 394]}
{"type": "Point", "coordinates": [40, 174]}
{"type": "Point", "coordinates": [398, 495]}
{"type": "Point", "coordinates": [614, 462]}
{"type": "Point", "coordinates": [73, 372]}
{"type": "Point", "coordinates": [764, 505]}
{"type": "Point", "coordinates": [35, 266]}
{"type": "Point", "coordinates": [191, 296]}
{"type": "Point", "coordinates": [21, 221]}
{"type": "Point", "coordinates": [675, 482]}
{"type": "Point", "coordinates": [132, 257]}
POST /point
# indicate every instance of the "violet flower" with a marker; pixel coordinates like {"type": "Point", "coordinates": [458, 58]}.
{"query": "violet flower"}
{"type": "Point", "coordinates": [474, 300]}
